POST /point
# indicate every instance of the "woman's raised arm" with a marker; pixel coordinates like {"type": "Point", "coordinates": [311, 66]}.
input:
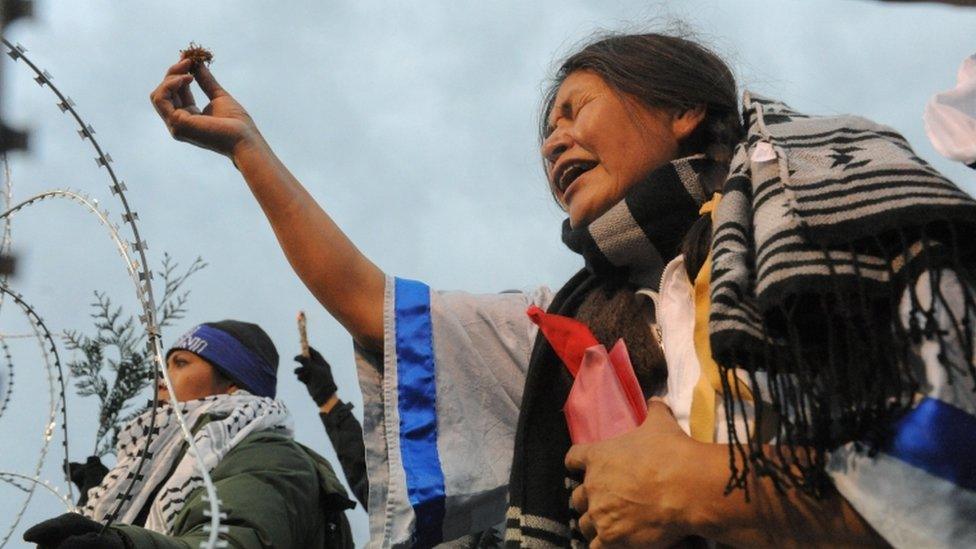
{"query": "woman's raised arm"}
{"type": "Point", "coordinates": [344, 280]}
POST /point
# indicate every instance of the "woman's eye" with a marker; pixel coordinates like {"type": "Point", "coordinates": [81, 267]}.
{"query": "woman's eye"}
{"type": "Point", "coordinates": [578, 107]}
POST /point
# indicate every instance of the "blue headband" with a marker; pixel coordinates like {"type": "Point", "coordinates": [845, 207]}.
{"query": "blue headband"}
{"type": "Point", "coordinates": [231, 357]}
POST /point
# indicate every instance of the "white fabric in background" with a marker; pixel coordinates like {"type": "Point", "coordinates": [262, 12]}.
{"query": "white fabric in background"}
{"type": "Point", "coordinates": [950, 116]}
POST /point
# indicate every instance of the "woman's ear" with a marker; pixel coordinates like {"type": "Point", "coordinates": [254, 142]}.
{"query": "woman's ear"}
{"type": "Point", "coordinates": [684, 123]}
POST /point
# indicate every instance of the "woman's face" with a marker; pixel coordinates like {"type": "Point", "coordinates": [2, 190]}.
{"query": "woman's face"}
{"type": "Point", "coordinates": [192, 378]}
{"type": "Point", "coordinates": [601, 142]}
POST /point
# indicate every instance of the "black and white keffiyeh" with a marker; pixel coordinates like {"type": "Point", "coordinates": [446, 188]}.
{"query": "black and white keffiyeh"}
{"type": "Point", "coordinates": [171, 473]}
{"type": "Point", "coordinates": [823, 224]}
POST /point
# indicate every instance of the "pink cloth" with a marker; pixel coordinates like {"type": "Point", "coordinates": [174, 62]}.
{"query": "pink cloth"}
{"type": "Point", "coordinates": [606, 400]}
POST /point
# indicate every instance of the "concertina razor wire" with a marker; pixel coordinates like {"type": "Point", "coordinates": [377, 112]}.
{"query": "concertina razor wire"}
{"type": "Point", "coordinates": [134, 256]}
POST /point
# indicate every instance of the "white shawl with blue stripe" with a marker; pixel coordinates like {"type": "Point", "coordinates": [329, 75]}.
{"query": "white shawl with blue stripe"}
{"type": "Point", "coordinates": [440, 411]}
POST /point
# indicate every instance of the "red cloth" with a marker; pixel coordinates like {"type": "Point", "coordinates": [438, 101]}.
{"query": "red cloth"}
{"type": "Point", "coordinates": [606, 400]}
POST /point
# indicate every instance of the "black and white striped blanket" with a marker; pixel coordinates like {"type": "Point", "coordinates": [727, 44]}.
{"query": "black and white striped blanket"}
{"type": "Point", "coordinates": [821, 220]}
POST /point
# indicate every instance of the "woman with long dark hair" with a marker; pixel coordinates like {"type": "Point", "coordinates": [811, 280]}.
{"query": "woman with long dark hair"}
{"type": "Point", "coordinates": [463, 398]}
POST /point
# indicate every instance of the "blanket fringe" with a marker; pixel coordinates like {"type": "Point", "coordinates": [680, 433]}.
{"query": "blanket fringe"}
{"type": "Point", "coordinates": [840, 363]}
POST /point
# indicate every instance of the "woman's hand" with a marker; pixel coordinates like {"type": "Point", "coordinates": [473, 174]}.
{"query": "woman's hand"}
{"type": "Point", "coordinates": [655, 486]}
{"type": "Point", "coordinates": [222, 126]}
{"type": "Point", "coordinates": [345, 281]}
{"type": "Point", "coordinates": [635, 492]}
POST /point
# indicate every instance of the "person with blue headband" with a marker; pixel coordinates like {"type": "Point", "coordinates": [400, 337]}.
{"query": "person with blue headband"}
{"type": "Point", "coordinates": [223, 357]}
{"type": "Point", "coordinates": [274, 491]}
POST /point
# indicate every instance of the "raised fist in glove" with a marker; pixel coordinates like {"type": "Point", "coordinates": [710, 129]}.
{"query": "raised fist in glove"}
{"type": "Point", "coordinates": [316, 374]}
{"type": "Point", "coordinates": [73, 531]}
{"type": "Point", "coordinates": [86, 476]}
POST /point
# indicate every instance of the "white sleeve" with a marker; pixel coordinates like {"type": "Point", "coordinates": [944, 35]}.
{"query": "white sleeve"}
{"type": "Point", "coordinates": [920, 490]}
{"type": "Point", "coordinates": [950, 117]}
{"type": "Point", "coordinates": [441, 408]}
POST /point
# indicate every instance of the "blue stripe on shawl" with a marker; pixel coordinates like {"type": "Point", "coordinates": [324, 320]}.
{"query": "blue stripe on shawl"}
{"type": "Point", "coordinates": [417, 398]}
{"type": "Point", "coordinates": [938, 438]}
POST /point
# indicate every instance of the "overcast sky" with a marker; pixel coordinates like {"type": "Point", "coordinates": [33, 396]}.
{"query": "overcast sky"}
{"type": "Point", "coordinates": [413, 123]}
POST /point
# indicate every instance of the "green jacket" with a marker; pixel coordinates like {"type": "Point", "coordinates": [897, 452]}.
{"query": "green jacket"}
{"type": "Point", "coordinates": [275, 492]}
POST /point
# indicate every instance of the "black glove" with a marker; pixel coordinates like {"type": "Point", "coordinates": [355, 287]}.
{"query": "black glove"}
{"type": "Point", "coordinates": [73, 531]}
{"type": "Point", "coordinates": [86, 476]}
{"type": "Point", "coordinates": [316, 374]}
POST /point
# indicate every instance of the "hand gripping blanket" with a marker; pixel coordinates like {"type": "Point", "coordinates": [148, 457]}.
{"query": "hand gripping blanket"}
{"type": "Point", "coordinates": [823, 224]}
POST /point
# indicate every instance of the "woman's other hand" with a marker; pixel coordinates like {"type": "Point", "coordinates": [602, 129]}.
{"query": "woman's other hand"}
{"type": "Point", "coordinates": [221, 126]}
{"type": "Point", "coordinates": [636, 490]}
{"type": "Point", "coordinates": [656, 486]}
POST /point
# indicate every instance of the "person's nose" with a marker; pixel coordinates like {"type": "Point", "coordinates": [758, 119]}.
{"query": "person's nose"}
{"type": "Point", "coordinates": [159, 374]}
{"type": "Point", "coordinates": [558, 142]}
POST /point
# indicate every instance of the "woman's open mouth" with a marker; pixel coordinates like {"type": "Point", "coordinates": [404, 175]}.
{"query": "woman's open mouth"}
{"type": "Point", "coordinates": [570, 172]}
